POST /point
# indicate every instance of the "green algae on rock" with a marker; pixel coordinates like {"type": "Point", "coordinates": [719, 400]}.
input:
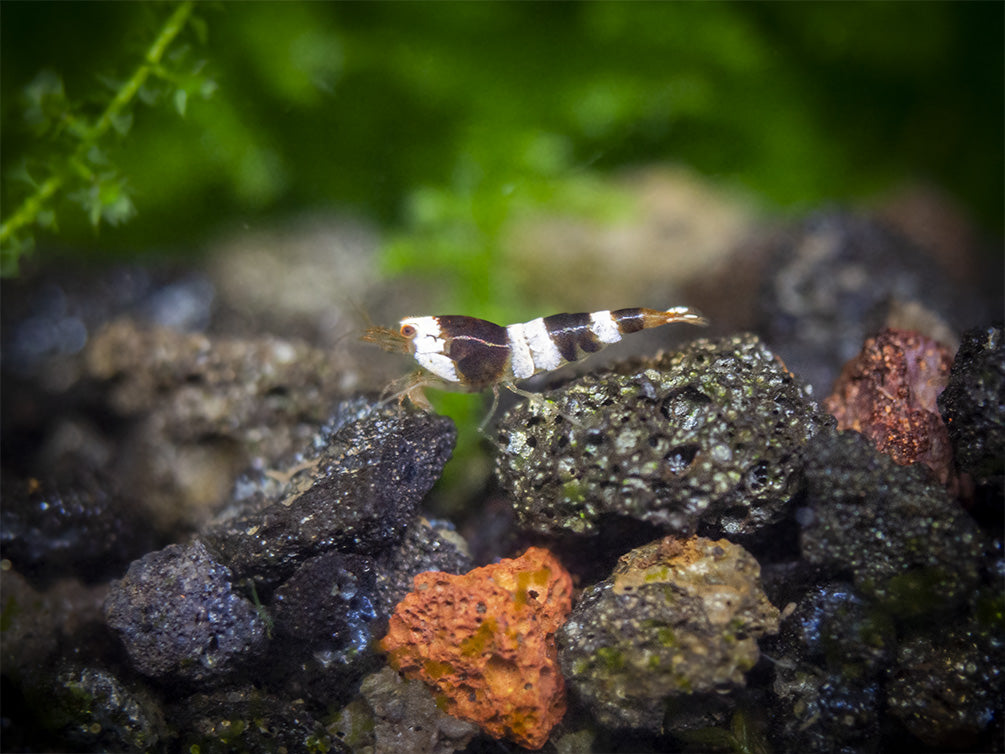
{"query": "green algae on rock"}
{"type": "Point", "coordinates": [247, 718]}
{"type": "Point", "coordinates": [713, 433]}
{"type": "Point", "coordinates": [675, 618]}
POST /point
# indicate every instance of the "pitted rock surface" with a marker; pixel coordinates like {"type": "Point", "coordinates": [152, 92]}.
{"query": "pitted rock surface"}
{"type": "Point", "coordinates": [895, 529]}
{"type": "Point", "coordinates": [713, 433]}
{"type": "Point", "coordinates": [355, 489]}
{"type": "Point", "coordinates": [485, 641]}
{"type": "Point", "coordinates": [973, 405]}
{"type": "Point", "coordinates": [675, 618]}
{"type": "Point", "coordinates": [178, 615]}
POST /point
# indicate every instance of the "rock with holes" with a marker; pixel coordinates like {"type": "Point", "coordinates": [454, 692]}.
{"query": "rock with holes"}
{"type": "Point", "coordinates": [899, 533]}
{"type": "Point", "coordinates": [675, 619]}
{"type": "Point", "coordinates": [179, 616]}
{"type": "Point", "coordinates": [355, 489]}
{"type": "Point", "coordinates": [485, 641]}
{"type": "Point", "coordinates": [713, 433]}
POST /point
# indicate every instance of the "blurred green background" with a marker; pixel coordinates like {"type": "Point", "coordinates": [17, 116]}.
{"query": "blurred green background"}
{"type": "Point", "coordinates": [442, 122]}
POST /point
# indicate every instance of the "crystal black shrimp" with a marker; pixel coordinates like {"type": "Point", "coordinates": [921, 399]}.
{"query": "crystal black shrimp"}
{"type": "Point", "coordinates": [475, 354]}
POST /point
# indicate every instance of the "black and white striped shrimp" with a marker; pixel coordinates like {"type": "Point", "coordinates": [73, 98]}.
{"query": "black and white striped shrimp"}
{"type": "Point", "coordinates": [475, 354]}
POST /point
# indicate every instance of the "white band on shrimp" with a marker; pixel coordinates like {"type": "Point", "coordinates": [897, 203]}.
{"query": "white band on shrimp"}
{"type": "Point", "coordinates": [542, 347]}
{"type": "Point", "coordinates": [521, 359]}
{"type": "Point", "coordinates": [602, 325]}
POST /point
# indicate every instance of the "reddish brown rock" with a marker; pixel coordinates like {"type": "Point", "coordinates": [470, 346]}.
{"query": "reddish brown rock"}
{"type": "Point", "coordinates": [888, 394]}
{"type": "Point", "coordinates": [485, 640]}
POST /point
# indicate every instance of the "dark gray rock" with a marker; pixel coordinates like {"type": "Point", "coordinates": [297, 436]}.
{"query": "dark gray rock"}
{"type": "Point", "coordinates": [97, 711]}
{"type": "Point", "coordinates": [405, 717]}
{"type": "Point", "coordinates": [328, 605]}
{"type": "Point", "coordinates": [835, 280]}
{"type": "Point", "coordinates": [712, 434]}
{"type": "Point", "coordinates": [428, 545]}
{"type": "Point", "coordinates": [355, 489]}
{"type": "Point", "coordinates": [824, 712]}
{"type": "Point", "coordinates": [178, 616]}
{"type": "Point", "coordinates": [905, 542]}
{"type": "Point", "coordinates": [973, 406]}
{"type": "Point", "coordinates": [77, 527]}
{"type": "Point", "coordinates": [326, 627]}
{"type": "Point", "coordinates": [947, 685]}
{"type": "Point", "coordinates": [249, 720]}
{"type": "Point", "coordinates": [830, 657]}
{"type": "Point", "coordinates": [835, 628]}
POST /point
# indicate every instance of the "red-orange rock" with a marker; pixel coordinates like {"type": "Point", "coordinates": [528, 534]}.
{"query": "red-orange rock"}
{"type": "Point", "coordinates": [485, 641]}
{"type": "Point", "coordinates": [888, 394]}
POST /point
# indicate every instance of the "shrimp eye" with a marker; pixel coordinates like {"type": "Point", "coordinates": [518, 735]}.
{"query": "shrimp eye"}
{"type": "Point", "coordinates": [407, 331]}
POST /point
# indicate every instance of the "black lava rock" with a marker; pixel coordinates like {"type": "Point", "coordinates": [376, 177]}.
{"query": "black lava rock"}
{"type": "Point", "coordinates": [328, 604]}
{"type": "Point", "coordinates": [830, 657]}
{"type": "Point", "coordinates": [428, 545]}
{"type": "Point", "coordinates": [835, 628]}
{"type": "Point", "coordinates": [904, 541]}
{"type": "Point", "coordinates": [947, 685]}
{"type": "Point", "coordinates": [178, 616]}
{"type": "Point", "coordinates": [826, 713]}
{"type": "Point", "coordinates": [326, 626]}
{"type": "Point", "coordinates": [973, 406]}
{"type": "Point", "coordinates": [76, 528]}
{"type": "Point", "coordinates": [97, 711]}
{"type": "Point", "coordinates": [834, 282]}
{"type": "Point", "coordinates": [249, 720]}
{"type": "Point", "coordinates": [369, 468]}
{"type": "Point", "coordinates": [712, 434]}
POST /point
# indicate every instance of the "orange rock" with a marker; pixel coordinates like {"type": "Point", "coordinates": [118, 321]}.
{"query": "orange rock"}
{"type": "Point", "coordinates": [485, 641]}
{"type": "Point", "coordinates": [888, 394]}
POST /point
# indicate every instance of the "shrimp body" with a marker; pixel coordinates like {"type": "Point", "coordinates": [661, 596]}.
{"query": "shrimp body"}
{"type": "Point", "coordinates": [477, 354]}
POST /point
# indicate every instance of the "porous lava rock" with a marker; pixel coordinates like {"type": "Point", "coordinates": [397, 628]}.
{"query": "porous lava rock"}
{"type": "Point", "coordinates": [675, 618]}
{"type": "Point", "coordinates": [888, 393]}
{"type": "Point", "coordinates": [102, 712]}
{"type": "Point", "coordinates": [711, 434]}
{"type": "Point", "coordinates": [199, 385]}
{"type": "Point", "coordinates": [947, 685]}
{"type": "Point", "coordinates": [831, 653]}
{"type": "Point", "coordinates": [177, 614]}
{"type": "Point", "coordinates": [355, 488]}
{"type": "Point", "coordinates": [326, 625]}
{"type": "Point", "coordinates": [904, 540]}
{"type": "Point", "coordinates": [249, 719]}
{"type": "Point", "coordinates": [973, 405]}
{"type": "Point", "coordinates": [428, 545]}
{"type": "Point", "coordinates": [485, 641]}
